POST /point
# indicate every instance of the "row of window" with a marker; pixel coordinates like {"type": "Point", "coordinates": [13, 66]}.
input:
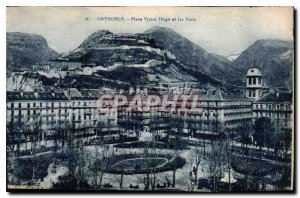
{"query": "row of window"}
{"type": "Point", "coordinates": [254, 80]}
{"type": "Point", "coordinates": [64, 104]}
{"type": "Point", "coordinates": [45, 118]}
{"type": "Point", "coordinates": [251, 93]}
{"type": "Point", "coordinates": [84, 103]}
{"type": "Point", "coordinates": [272, 107]}
{"type": "Point", "coordinates": [85, 117]}
{"type": "Point", "coordinates": [272, 115]}
{"type": "Point", "coordinates": [41, 104]}
{"type": "Point", "coordinates": [35, 112]}
{"type": "Point", "coordinates": [237, 114]}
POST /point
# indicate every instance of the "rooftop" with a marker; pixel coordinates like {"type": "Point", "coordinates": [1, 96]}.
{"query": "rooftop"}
{"type": "Point", "coordinates": [35, 95]}
{"type": "Point", "coordinates": [253, 72]}
{"type": "Point", "coordinates": [277, 97]}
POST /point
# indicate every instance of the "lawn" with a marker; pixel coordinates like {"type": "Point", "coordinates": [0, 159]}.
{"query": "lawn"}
{"type": "Point", "coordinates": [141, 164]}
{"type": "Point", "coordinates": [254, 167]}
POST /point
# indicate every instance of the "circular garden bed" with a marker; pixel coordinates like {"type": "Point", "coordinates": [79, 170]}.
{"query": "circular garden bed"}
{"type": "Point", "coordinates": [143, 163]}
{"type": "Point", "coordinates": [254, 167]}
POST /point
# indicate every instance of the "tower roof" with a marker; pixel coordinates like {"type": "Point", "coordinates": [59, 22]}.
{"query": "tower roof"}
{"type": "Point", "coordinates": [253, 72]}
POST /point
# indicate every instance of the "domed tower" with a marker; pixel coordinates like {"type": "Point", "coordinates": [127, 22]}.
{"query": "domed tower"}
{"type": "Point", "coordinates": [254, 84]}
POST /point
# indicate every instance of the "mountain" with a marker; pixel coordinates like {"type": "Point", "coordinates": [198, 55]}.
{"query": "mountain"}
{"type": "Point", "coordinates": [159, 55]}
{"type": "Point", "coordinates": [139, 59]}
{"type": "Point", "coordinates": [94, 39]}
{"type": "Point", "coordinates": [273, 57]}
{"type": "Point", "coordinates": [192, 55]}
{"type": "Point", "coordinates": [23, 50]}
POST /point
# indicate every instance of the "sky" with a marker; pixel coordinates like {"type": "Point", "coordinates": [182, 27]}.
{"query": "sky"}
{"type": "Point", "coordinates": [220, 30]}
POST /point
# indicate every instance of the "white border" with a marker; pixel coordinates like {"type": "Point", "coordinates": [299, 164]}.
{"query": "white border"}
{"type": "Point", "coordinates": [5, 3]}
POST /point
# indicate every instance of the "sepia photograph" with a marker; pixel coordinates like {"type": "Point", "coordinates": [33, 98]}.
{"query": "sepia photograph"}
{"type": "Point", "coordinates": [150, 99]}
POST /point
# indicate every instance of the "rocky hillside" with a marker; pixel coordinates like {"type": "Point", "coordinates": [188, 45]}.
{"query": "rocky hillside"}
{"type": "Point", "coordinates": [94, 39]}
{"type": "Point", "coordinates": [158, 55]}
{"type": "Point", "coordinates": [192, 55]}
{"type": "Point", "coordinates": [23, 50]}
{"type": "Point", "coordinates": [137, 59]}
{"type": "Point", "coordinates": [273, 57]}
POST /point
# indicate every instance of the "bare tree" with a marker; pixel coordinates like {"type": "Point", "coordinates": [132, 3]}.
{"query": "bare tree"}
{"type": "Point", "coordinates": [13, 142]}
{"type": "Point", "coordinates": [227, 159]}
{"type": "Point", "coordinates": [215, 162]}
{"type": "Point", "coordinates": [120, 177]}
{"type": "Point", "coordinates": [197, 161]}
{"type": "Point", "coordinates": [152, 166]}
{"type": "Point", "coordinates": [187, 178]}
{"type": "Point", "coordinates": [99, 163]}
{"type": "Point", "coordinates": [262, 128]}
{"type": "Point", "coordinates": [35, 130]}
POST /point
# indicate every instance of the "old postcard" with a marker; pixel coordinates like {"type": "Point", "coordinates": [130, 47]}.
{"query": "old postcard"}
{"type": "Point", "coordinates": [134, 99]}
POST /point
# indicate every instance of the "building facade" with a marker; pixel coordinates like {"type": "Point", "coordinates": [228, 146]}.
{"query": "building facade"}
{"type": "Point", "coordinates": [36, 117]}
{"type": "Point", "coordinates": [254, 84]}
{"type": "Point", "coordinates": [277, 106]}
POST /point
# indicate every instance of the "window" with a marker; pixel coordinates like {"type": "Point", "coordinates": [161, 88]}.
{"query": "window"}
{"type": "Point", "coordinates": [28, 105]}
{"type": "Point", "coordinates": [28, 112]}
{"type": "Point", "coordinates": [12, 105]}
{"type": "Point", "coordinates": [41, 104]}
{"type": "Point", "coordinates": [286, 107]}
{"type": "Point", "coordinates": [52, 105]}
{"type": "Point", "coordinates": [20, 105]}
{"type": "Point", "coordinates": [254, 81]}
{"type": "Point", "coordinates": [250, 93]}
{"type": "Point", "coordinates": [259, 81]}
{"type": "Point", "coordinates": [34, 112]}
{"type": "Point", "coordinates": [253, 93]}
{"type": "Point", "coordinates": [250, 81]}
